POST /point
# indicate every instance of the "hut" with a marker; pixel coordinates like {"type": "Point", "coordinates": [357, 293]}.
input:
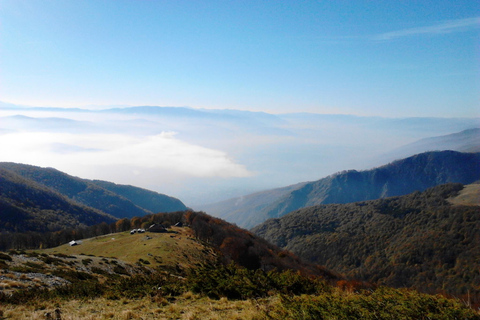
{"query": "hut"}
{"type": "Point", "coordinates": [157, 228]}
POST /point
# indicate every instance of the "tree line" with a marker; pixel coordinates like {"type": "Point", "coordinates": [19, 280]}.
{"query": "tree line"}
{"type": "Point", "coordinates": [41, 240]}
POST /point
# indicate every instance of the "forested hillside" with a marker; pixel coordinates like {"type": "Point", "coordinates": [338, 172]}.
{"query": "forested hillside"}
{"type": "Point", "coordinates": [116, 200]}
{"type": "Point", "coordinates": [401, 177]}
{"type": "Point", "coordinates": [143, 198]}
{"type": "Point", "coordinates": [420, 240]}
{"type": "Point", "coordinates": [28, 206]}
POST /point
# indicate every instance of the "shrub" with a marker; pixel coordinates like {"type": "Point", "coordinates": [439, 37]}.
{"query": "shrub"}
{"type": "Point", "coordinates": [73, 276]}
{"type": "Point", "coordinates": [5, 257]}
{"type": "Point", "coordinates": [99, 271]}
{"type": "Point", "coordinates": [383, 303]}
{"type": "Point", "coordinates": [235, 282]}
{"type": "Point", "coordinates": [51, 260]}
{"type": "Point", "coordinates": [86, 262]}
{"type": "Point", "coordinates": [120, 270]}
{"type": "Point", "coordinates": [62, 255]}
{"type": "Point", "coordinates": [142, 261]}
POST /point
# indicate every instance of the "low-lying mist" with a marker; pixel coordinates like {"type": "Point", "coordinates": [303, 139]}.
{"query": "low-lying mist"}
{"type": "Point", "coordinates": [202, 156]}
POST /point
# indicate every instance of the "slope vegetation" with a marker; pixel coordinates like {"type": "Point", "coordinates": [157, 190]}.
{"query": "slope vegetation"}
{"type": "Point", "coordinates": [28, 206]}
{"type": "Point", "coordinates": [145, 199]}
{"type": "Point", "coordinates": [119, 201]}
{"type": "Point", "coordinates": [230, 243]}
{"type": "Point", "coordinates": [401, 177]}
{"type": "Point", "coordinates": [419, 240]}
{"type": "Point", "coordinates": [60, 283]}
{"type": "Point", "coordinates": [176, 249]}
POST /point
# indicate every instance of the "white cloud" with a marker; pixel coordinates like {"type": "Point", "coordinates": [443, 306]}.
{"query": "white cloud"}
{"type": "Point", "coordinates": [69, 152]}
{"type": "Point", "coordinates": [441, 28]}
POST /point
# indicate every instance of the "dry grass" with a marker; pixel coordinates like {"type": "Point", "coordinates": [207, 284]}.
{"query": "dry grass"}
{"type": "Point", "coordinates": [11, 284]}
{"type": "Point", "coordinates": [159, 249]}
{"type": "Point", "coordinates": [469, 196]}
{"type": "Point", "coordinates": [186, 307]}
{"type": "Point", "coordinates": [8, 275]}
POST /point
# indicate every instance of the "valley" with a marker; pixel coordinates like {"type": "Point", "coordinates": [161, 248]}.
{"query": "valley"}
{"type": "Point", "coordinates": [336, 247]}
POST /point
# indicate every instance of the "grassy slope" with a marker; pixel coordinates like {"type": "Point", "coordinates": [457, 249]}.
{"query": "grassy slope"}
{"type": "Point", "coordinates": [384, 304]}
{"type": "Point", "coordinates": [469, 196]}
{"type": "Point", "coordinates": [181, 248]}
{"type": "Point", "coordinates": [187, 306]}
{"type": "Point", "coordinates": [176, 247]}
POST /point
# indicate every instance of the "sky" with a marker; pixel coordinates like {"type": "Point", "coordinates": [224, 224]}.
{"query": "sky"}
{"type": "Point", "coordinates": [380, 65]}
{"type": "Point", "coordinates": [381, 58]}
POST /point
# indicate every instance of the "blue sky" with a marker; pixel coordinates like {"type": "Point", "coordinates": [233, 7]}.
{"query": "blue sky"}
{"type": "Point", "coordinates": [385, 58]}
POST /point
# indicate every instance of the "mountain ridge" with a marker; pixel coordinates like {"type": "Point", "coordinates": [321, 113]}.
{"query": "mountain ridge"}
{"type": "Point", "coordinates": [51, 188]}
{"type": "Point", "coordinates": [464, 141]}
{"type": "Point", "coordinates": [400, 177]}
{"type": "Point", "coordinates": [22, 210]}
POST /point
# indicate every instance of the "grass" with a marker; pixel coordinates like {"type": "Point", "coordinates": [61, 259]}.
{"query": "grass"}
{"type": "Point", "coordinates": [188, 306]}
{"type": "Point", "coordinates": [384, 304]}
{"type": "Point", "coordinates": [174, 249]}
{"type": "Point", "coordinates": [469, 196]}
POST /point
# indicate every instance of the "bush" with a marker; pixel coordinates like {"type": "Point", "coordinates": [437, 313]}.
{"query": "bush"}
{"type": "Point", "coordinates": [383, 303]}
{"type": "Point", "coordinates": [143, 261]}
{"type": "Point", "coordinates": [5, 257]}
{"type": "Point", "coordinates": [51, 260]}
{"type": "Point", "coordinates": [235, 282]}
{"type": "Point", "coordinates": [87, 261]}
{"type": "Point", "coordinates": [73, 276]}
{"type": "Point", "coordinates": [120, 270]}
{"type": "Point", "coordinates": [99, 271]}
{"type": "Point", "coordinates": [62, 255]}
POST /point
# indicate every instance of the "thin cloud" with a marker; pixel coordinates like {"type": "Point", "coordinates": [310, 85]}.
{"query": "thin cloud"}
{"type": "Point", "coordinates": [441, 28]}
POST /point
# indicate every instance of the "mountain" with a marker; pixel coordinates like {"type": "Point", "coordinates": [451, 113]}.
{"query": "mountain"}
{"type": "Point", "coordinates": [401, 177]}
{"type": "Point", "coordinates": [234, 209]}
{"type": "Point", "coordinates": [464, 141]}
{"type": "Point", "coordinates": [266, 145]}
{"type": "Point", "coordinates": [54, 124]}
{"type": "Point", "coordinates": [119, 201]}
{"type": "Point", "coordinates": [29, 206]}
{"type": "Point", "coordinates": [149, 200]}
{"type": "Point", "coordinates": [421, 240]}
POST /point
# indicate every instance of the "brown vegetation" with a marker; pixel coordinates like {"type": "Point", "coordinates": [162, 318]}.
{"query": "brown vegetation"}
{"type": "Point", "coordinates": [419, 240]}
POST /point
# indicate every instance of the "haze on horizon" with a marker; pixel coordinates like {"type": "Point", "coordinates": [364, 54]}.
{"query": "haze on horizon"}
{"type": "Point", "coordinates": [386, 59]}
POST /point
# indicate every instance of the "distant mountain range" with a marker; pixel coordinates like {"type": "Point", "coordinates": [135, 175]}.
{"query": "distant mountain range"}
{"type": "Point", "coordinates": [401, 177]}
{"type": "Point", "coordinates": [276, 149]}
{"type": "Point", "coordinates": [422, 240]}
{"type": "Point", "coordinates": [464, 141]}
{"type": "Point", "coordinates": [52, 200]}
